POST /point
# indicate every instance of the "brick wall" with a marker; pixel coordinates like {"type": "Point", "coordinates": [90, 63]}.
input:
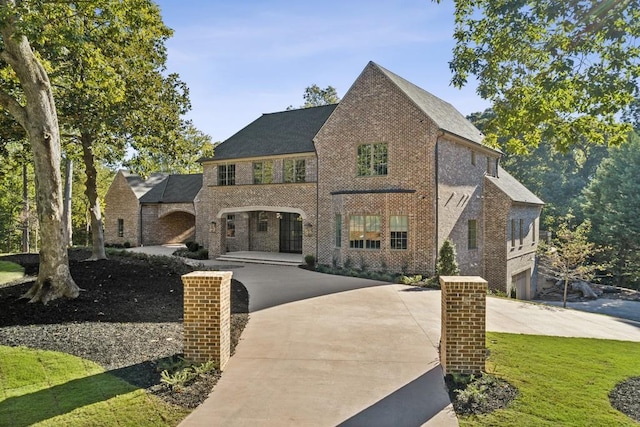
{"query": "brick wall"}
{"type": "Point", "coordinates": [218, 201]}
{"type": "Point", "coordinates": [207, 316]}
{"type": "Point", "coordinates": [460, 187]}
{"type": "Point", "coordinates": [121, 203]}
{"type": "Point", "coordinates": [502, 260]}
{"type": "Point", "coordinates": [463, 335]}
{"type": "Point", "coordinates": [374, 110]}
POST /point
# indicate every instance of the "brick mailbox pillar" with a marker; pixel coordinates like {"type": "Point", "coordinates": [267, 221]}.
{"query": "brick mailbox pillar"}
{"type": "Point", "coordinates": [462, 341]}
{"type": "Point", "coordinates": [207, 316]}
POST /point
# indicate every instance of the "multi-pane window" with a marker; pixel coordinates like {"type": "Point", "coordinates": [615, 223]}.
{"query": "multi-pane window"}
{"type": "Point", "coordinates": [489, 166]}
{"type": "Point", "coordinates": [294, 170]}
{"type": "Point", "coordinates": [120, 227]}
{"type": "Point", "coordinates": [372, 159]}
{"type": "Point", "coordinates": [231, 226]}
{"type": "Point", "coordinates": [399, 230]}
{"type": "Point", "coordinates": [226, 174]}
{"type": "Point", "coordinates": [533, 230]}
{"type": "Point", "coordinates": [472, 226]}
{"type": "Point", "coordinates": [262, 172]}
{"type": "Point", "coordinates": [364, 232]}
{"type": "Point", "coordinates": [521, 231]}
{"type": "Point", "coordinates": [473, 157]}
{"type": "Point", "coordinates": [338, 231]}
{"type": "Point", "coordinates": [263, 221]}
{"type": "Point", "coordinates": [513, 232]}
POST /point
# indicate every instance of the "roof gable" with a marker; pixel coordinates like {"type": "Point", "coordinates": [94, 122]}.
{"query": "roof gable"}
{"type": "Point", "coordinates": [285, 132]}
{"type": "Point", "coordinates": [445, 115]}
{"type": "Point", "coordinates": [513, 189]}
{"type": "Point", "coordinates": [140, 186]}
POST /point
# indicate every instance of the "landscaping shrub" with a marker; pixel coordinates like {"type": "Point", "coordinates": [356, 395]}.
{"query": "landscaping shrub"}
{"type": "Point", "coordinates": [310, 260]}
{"type": "Point", "coordinates": [192, 246]}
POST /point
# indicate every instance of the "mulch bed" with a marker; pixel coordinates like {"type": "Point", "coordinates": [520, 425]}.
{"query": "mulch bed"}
{"type": "Point", "coordinates": [127, 318]}
{"type": "Point", "coordinates": [625, 397]}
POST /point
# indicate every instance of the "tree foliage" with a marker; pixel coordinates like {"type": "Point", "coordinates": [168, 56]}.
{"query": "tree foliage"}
{"type": "Point", "coordinates": [447, 265]}
{"type": "Point", "coordinates": [613, 207]}
{"type": "Point", "coordinates": [560, 72]}
{"type": "Point", "coordinates": [557, 177]}
{"type": "Point", "coordinates": [568, 255]}
{"type": "Point", "coordinates": [314, 96]}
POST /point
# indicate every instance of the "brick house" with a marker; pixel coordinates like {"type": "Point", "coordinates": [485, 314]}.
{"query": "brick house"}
{"type": "Point", "coordinates": [379, 180]}
{"type": "Point", "coordinates": [158, 210]}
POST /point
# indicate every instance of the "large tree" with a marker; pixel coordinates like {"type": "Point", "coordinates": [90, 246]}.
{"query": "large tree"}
{"type": "Point", "coordinates": [30, 102]}
{"type": "Point", "coordinates": [613, 207]}
{"type": "Point", "coordinates": [555, 71]}
{"type": "Point", "coordinates": [109, 61]}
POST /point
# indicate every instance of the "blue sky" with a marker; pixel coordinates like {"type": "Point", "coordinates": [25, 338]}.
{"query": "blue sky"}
{"type": "Point", "coordinates": [241, 58]}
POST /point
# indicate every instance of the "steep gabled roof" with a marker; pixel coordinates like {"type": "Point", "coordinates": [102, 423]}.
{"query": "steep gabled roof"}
{"type": "Point", "coordinates": [140, 186]}
{"type": "Point", "coordinates": [286, 132]}
{"type": "Point", "coordinates": [174, 189]}
{"type": "Point", "coordinates": [442, 113]}
{"type": "Point", "coordinates": [513, 188]}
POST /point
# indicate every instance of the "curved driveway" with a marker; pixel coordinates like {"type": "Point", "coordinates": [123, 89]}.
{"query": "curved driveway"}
{"type": "Point", "coordinates": [322, 350]}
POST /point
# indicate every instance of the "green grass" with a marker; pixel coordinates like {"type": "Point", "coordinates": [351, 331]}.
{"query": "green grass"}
{"type": "Point", "coordinates": [46, 388]}
{"type": "Point", "coordinates": [560, 381]}
{"type": "Point", "coordinates": [10, 271]}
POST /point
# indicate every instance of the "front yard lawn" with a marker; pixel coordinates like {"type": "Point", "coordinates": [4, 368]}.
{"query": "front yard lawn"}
{"type": "Point", "coordinates": [560, 381]}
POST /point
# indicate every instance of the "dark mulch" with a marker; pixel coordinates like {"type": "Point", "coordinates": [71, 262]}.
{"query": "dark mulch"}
{"type": "Point", "coordinates": [127, 318]}
{"type": "Point", "coordinates": [625, 397]}
{"type": "Point", "coordinates": [480, 395]}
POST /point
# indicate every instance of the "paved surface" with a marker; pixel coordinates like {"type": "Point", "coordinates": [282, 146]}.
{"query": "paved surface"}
{"type": "Point", "coordinates": [324, 350]}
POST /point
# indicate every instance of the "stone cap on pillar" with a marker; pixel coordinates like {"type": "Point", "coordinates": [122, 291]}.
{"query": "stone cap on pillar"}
{"type": "Point", "coordinates": [205, 273]}
{"type": "Point", "coordinates": [462, 279]}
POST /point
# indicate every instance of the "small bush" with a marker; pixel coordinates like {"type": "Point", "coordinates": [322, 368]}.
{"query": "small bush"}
{"type": "Point", "coordinates": [347, 263]}
{"type": "Point", "coordinates": [127, 244]}
{"type": "Point", "coordinates": [411, 280]}
{"type": "Point", "coordinates": [363, 263]}
{"type": "Point", "coordinates": [310, 260]}
{"type": "Point", "coordinates": [193, 246]}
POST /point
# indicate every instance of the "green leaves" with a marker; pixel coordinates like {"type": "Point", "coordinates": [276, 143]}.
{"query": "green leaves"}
{"type": "Point", "coordinates": [555, 71]}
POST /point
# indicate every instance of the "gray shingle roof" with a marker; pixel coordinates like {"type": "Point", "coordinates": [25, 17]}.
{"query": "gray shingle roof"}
{"type": "Point", "coordinates": [140, 186]}
{"type": "Point", "coordinates": [174, 189]}
{"type": "Point", "coordinates": [513, 188]}
{"type": "Point", "coordinates": [286, 132]}
{"type": "Point", "coordinates": [442, 113]}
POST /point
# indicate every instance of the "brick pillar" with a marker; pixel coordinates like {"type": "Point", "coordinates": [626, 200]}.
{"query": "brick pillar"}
{"type": "Point", "coordinates": [462, 341]}
{"type": "Point", "coordinates": [207, 316]}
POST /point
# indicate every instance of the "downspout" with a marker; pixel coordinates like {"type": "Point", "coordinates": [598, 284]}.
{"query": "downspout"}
{"type": "Point", "coordinates": [140, 226]}
{"type": "Point", "coordinates": [317, 231]}
{"type": "Point", "coordinates": [436, 202]}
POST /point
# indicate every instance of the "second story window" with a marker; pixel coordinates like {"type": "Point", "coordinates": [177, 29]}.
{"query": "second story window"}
{"type": "Point", "coordinates": [294, 170]}
{"type": "Point", "coordinates": [372, 159]}
{"type": "Point", "coordinates": [262, 172]}
{"type": "Point", "coordinates": [226, 174]}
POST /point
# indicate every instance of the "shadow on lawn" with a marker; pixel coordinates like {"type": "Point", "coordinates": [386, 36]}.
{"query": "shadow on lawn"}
{"type": "Point", "coordinates": [28, 409]}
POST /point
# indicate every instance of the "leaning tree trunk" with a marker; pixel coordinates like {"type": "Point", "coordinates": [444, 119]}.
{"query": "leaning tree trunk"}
{"type": "Point", "coordinates": [91, 191]}
{"type": "Point", "coordinates": [40, 120]}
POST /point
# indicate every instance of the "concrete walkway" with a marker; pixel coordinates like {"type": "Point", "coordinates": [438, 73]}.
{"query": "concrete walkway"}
{"type": "Point", "coordinates": [323, 350]}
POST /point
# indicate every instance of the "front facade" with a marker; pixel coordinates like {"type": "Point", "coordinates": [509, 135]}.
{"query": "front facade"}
{"type": "Point", "coordinates": [378, 181]}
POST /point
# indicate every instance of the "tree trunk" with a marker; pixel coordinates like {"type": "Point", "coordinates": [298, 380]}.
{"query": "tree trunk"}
{"type": "Point", "coordinates": [25, 209]}
{"type": "Point", "coordinates": [566, 288]}
{"type": "Point", "coordinates": [91, 191]}
{"type": "Point", "coordinates": [40, 120]}
{"type": "Point", "coordinates": [66, 214]}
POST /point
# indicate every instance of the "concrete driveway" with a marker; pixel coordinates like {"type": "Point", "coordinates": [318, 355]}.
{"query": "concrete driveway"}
{"type": "Point", "coordinates": [322, 350]}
